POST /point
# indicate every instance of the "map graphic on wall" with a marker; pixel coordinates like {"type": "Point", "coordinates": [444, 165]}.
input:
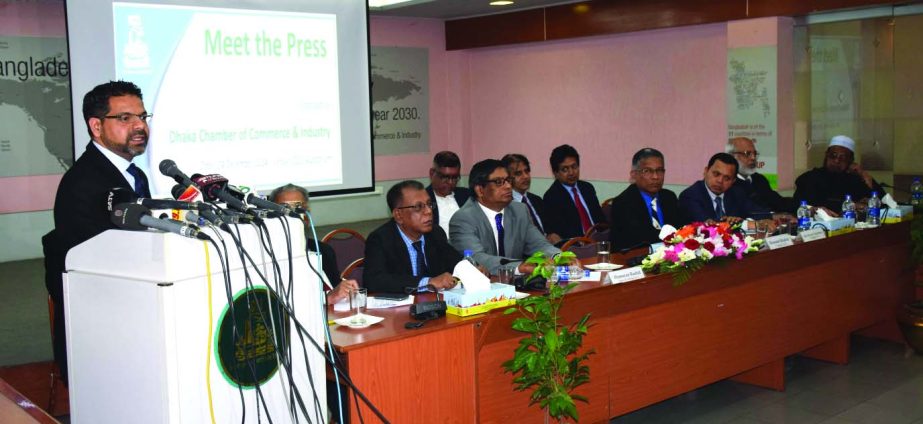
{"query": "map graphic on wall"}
{"type": "Point", "coordinates": [36, 138]}
{"type": "Point", "coordinates": [400, 99]}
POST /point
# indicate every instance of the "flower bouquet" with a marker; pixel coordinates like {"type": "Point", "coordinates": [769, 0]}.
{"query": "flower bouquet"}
{"type": "Point", "coordinates": [686, 250]}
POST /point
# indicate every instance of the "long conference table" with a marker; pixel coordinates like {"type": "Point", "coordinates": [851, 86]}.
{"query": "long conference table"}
{"type": "Point", "coordinates": [652, 340]}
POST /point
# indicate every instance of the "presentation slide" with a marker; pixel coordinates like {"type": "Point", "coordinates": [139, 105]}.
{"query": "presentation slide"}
{"type": "Point", "coordinates": [262, 96]}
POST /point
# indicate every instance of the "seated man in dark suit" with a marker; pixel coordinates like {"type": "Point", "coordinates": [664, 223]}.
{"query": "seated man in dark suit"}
{"type": "Point", "coordinates": [754, 184]}
{"type": "Point", "coordinates": [297, 197]}
{"type": "Point", "coordinates": [571, 204]}
{"type": "Point", "coordinates": [117, 123]}
{"type": "Point", "coordinates": [409, 251]}
{"type": "Point", "coordinates": [443, 188]}
{"type": "Point", "coordinates": [715, 198]}
{"type": "Point", "coordinates": [828, 185]}
{"type": "Point", "coordinates": [518, 167]}
{"type": "Point", "coordinates": [642, 209]}
{"type": "Point", "coordinates": [493, 227]}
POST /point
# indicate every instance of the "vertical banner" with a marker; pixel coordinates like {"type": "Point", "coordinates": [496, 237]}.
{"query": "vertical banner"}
{"type": "Point", "coordinates": [752, 103]}
{"type": "Point", "coordinates": [400, 100]}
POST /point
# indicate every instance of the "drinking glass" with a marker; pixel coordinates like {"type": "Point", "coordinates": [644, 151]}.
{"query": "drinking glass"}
{"type": "Point", "coordinates": [602, 252]}
{"type": "Point", "coordinates": [762, 229]}
{"type": "Point", "coordinates": [357, 302]}
{"type": "Point", "coordinates": [505, 275]}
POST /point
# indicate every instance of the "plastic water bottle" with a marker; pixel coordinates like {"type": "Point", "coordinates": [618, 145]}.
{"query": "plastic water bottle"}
{"type": "Point", "coordinates": [469, 256]}
{"type": "Point", "coordinates": [874, 217]}
{"type": "Point", "coordinates": [804, 216]}
{"type": "Point", "coordinates": [849, 208]}
{"type": "Point", "coordinates": [916, 192]}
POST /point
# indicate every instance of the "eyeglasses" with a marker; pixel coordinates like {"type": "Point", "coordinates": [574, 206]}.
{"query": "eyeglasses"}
{"type": "Point", "coordinates": [296, 205]}
{"type": "Point", "coordinates": [127, 118]}
{"type": "Point", "coordinates": [837, 156]}
{"type": "Point", "coordinates": [499, 181]}
{"type": "Point", "coordinates": [418, 208]}
{"type": "Point", "coordinates": [752, 154]}
{"type": "Point", "coordinates": [651, 171]}
{"type": "Point", "coordinates": [447, 178]}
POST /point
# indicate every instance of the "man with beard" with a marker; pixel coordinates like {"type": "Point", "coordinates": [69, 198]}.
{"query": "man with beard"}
{"type": "Point", "coordinates": [117, 123]}
{"type": "Point", "coordinates": [497, 231]}
{"type": "Point", "coordinates": [753, 183]}
{"type": "Point", "coordinates": [828, 185]}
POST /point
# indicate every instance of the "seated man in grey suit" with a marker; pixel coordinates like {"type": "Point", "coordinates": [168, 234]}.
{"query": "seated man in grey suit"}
{"type": "Point", "coordinates": [494, 227]}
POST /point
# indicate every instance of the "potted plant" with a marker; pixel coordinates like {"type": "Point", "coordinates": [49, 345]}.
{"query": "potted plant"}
{"type": "Point", "coordinates": [545, 266]}
{"type": "Point", "coordinates": [546, 359]}
{"type": "Point", "coordinates": [910, 317]}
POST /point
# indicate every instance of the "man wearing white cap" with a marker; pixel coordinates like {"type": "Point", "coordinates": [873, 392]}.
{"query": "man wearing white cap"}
{"type": "Point", "coordinates": [828, 185]}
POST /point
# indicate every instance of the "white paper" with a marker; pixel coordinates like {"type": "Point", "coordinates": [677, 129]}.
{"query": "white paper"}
{"type": "Point", "coordinates": [341, 306]}
{"type": "Point", "coordinates": [379, 303]}
{"type": "Point", "coordinates": [819, 214]}
{"type": "Point", "coordinates": [889, 201]}
{"type": "Point", "coordinates": [591, 276]}
{"type": "Point", "coordinates": [779, 241]}
{"type": "Point", "coordinates": [626, 275]}
{"type": "Point", "coordinates": [813, 234]}
{"type": "Point", "coordinates": [471, 278]}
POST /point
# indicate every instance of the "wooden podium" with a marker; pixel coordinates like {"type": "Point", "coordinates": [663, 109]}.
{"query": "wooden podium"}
{"type": "Point", "coordinates": [150, 335]}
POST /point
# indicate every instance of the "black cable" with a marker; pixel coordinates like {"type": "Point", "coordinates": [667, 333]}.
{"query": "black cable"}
{"type": "Point", "coordinates": [226, 272]}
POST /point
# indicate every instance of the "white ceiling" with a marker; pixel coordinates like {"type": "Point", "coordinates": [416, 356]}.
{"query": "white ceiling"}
{"type": "Point", "coordinates": [454, 9]}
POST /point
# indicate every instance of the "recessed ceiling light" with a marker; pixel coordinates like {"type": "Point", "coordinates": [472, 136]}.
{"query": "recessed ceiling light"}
{"type": "Point", "coordinates": [501, 3]}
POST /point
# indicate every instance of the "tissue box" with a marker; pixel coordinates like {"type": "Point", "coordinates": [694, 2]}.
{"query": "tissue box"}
{"type": "Point", "coordinates": [837, 226]}
{"type": "Point", "coordinates": [461, 303]}
{"type": "Point", "coordinates": [899, 214]}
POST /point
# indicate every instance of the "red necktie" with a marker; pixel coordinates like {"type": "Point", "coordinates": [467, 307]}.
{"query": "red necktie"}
{"type": "Point", "coordinates": [581, 211]}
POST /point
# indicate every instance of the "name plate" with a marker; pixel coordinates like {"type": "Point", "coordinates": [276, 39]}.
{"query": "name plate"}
{"type": "Point", "coordinates": [779, 241]}
{"type": "Point", "coordinates": [813, 234]}
{"type": "Point", "coordinates": [625, 275]}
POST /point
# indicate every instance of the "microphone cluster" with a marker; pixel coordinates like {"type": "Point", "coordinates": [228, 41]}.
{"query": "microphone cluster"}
{"type": "Point", "coordinates": [198, 196]}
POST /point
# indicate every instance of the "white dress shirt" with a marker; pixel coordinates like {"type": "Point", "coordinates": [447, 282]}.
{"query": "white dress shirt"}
{"type": "Point", "coordinates": [491, 217]}
{"type": "Point", "coordinates": [447, 207]}
{"type": "Point", "coordinates": [120, 163]}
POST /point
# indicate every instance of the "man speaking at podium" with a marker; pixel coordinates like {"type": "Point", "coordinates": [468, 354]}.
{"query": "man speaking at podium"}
{"type": "Point", "coordinates": [118, 126]}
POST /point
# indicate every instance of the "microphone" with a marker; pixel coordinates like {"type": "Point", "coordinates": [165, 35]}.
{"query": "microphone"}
{"type": "Point", "coordinates": [119, 195]}
{"type": "Point", "coordinates": [169, 168]}
{"type": "Point", "coordinates": [262, 203]}
{"type": "Point", "coordinates": [214, 187]}
{"type": "Point", "coordinates": [134, 217]}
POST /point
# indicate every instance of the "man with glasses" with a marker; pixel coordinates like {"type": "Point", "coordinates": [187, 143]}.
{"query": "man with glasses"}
{"type": "Point", "coordinates": [117, 124]}
{"type": "Point", "coordinates": [497, 231]}
{"type": "Point", "coordinates": [571, 204]}
{"type": "Point", "coordinates": [828, 185]}
{"type": "Point", "coordinates": [521, 172]}
{"type": "Point", "coordinates": [753, 183]}
{"type": "Point", "coordinates": [443, 188]}
{"type": "Point", "coordinates": [715, 198]}
{"type": "Point", "coordinates": [642, 209]}
{"type": "Point", "coordinates": [409, 252]}
{"type": "Point", "coordinates": [297, 197]}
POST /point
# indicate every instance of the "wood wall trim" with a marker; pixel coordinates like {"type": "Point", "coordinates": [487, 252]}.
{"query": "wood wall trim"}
{"type": "Point", "coordinates": [602, 17]}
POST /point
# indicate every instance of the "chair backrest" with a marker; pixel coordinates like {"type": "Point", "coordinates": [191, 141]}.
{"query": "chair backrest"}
{"type": "Point", "coordinates": [600, 235]}
{"type": "Point", "coordinates": [354, 270]}
{"type": "Point", "coordinates": [607, 207]}
{"type": "Point", "coordinates": [583, 247]}
{"type": "Point", "coordinates": [348, 245]}
{"type": "Point", "coordinates": [602, 226]}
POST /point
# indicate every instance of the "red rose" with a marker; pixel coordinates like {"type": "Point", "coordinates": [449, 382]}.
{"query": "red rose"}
{"type": "Point", "coordinates": [666, 240]}
{"type": "Point", "coordinates": [709, 246]}
{"type": "Point", "coordinates": [691, 244]}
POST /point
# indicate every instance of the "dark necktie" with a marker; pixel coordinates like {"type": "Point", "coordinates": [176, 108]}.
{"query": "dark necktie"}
{"type": "Point", "coordinates": [141, 189]}
{"type": "Point", "coordinates": [581, 211]}
{"type": "Point", "coordinates": [421, 259]}
{"type": "Point", "coordinates": [655, 220]}
{"type": "Point", "coordinates": [500, 250]}
{"type": "Point", "coordinates": [719, 207]}
{"type": "Point", "coordinates": [532, 213]}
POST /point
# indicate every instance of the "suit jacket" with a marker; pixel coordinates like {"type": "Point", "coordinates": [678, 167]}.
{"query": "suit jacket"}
{"type": "Point", "coordinates": [461, 196]}
{"type": "Point", "coordinates": [539, 205]}
{"type": "Point", "coordinates": [471, 230]}
{"type": "Point", "coordinates": [697, 205]}
{"type": "Point", "coordinates": [80, 213]}
{"type": "Point", "coordinates": [828, 189]}
{"type": "Point", "coordinates": [561, 212]}
{"type": "Point", "coordinates": [630, 223]}
{"type": "Point", "coordinates": [387, 265]}
{"type": "Point", "coordinates": [328, 258]}
{"type": "Point", "coordinates": [760, 193]}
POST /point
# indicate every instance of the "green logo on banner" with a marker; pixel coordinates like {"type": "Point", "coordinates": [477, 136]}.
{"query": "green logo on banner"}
{"type": "Point", "coordinates": [249, 357]}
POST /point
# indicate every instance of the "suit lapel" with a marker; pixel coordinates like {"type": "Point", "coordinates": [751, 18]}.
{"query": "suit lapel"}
{"type": "Point", "coordinates": [400, 249]}
{"type": "Point", "coordinates": [105, 167]}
